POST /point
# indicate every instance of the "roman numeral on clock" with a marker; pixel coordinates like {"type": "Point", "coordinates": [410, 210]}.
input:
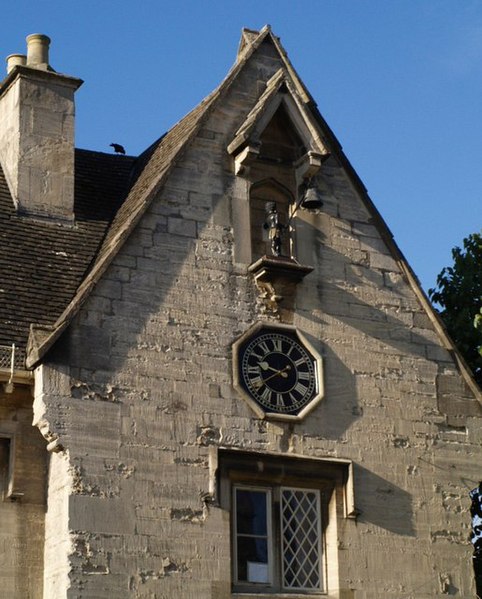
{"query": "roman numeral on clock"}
{"type": "Point", "coordinates": [263, 346]}
{"type": "Point", "coordinates": [280, 402]}
{"type": "Point", "coordinates": [257, 382]}
{"type": "Point", "coordinates": [300, 388]}
{"type": "Point", "coordinates": [265, 395]}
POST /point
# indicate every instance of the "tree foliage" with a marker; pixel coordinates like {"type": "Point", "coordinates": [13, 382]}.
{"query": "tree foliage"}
{"type": "Point", "coordinates": [459, 297]}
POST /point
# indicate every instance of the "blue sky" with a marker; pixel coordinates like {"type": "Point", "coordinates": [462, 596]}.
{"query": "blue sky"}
{"type": "Point", "coordinates": [399, 82]}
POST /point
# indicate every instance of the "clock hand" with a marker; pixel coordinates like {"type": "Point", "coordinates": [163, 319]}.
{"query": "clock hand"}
{"type": "Point", "coordinates": [281, 372]}
{"type": "Point", "coordinates": [266, 366]}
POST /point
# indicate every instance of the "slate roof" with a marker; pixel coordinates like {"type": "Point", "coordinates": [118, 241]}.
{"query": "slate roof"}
{"type": "Point", "coordinates": [42, 263]}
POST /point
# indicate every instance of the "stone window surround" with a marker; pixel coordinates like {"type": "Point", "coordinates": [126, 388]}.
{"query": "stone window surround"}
{"type": "Point", "coordinates": [333, 476]}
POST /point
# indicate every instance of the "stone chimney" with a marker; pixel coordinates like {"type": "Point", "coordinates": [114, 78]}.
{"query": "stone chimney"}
{"type": "Point", "coordinates": [37, 133]}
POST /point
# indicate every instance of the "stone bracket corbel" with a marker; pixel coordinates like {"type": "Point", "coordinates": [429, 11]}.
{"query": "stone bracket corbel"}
{"type": "Point", "coordinates": [276, 278]}
{"type": "Point", "coordinates": [274, 268]}
{"type": "Point", "coordinates": [268, 296]}
{"type": "Point", "coordinates": [309, 165]}
{"type": "Point", "coordinates": [244, 159]}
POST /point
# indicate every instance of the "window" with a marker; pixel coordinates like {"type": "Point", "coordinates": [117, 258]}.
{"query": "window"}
{"type": "Point", "coordinates": [7, 466]}
{"type": "Point", "coordinates": [277, 537]}
{"type": "Point", "coordinates": [4, 465]}
{"type": "Point", "coordinates": [284, 512]}
{"type": "Point", "coordinates": [252, 534]}
{"type": "Point", "coordinates": [300, 524]}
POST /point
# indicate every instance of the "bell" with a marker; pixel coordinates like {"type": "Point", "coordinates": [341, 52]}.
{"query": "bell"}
{"type": "Point", "coordinates": [311, 199]}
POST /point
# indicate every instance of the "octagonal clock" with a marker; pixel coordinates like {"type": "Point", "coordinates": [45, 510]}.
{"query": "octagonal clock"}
{"type": "Point", "coordinates": [277, 371]}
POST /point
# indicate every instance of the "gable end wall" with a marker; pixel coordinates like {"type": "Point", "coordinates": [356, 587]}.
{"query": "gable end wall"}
{"type": "Point", "coordinates": [149, 391]}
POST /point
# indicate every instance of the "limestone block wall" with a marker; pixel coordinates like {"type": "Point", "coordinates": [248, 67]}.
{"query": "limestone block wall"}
{"type": "Point", "coordinates": [149, 392]}
{"type": "Point", "coordinates": [22, 516]}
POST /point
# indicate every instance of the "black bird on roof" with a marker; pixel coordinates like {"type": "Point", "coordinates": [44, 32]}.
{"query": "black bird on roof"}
{"type": "Point", "coordinates": [118, 149]}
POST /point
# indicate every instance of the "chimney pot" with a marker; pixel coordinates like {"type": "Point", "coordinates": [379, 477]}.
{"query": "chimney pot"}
{"type": "Point", "coordinates": [38, 51]}
{"type": "Point", "coordinates": [15, 59]}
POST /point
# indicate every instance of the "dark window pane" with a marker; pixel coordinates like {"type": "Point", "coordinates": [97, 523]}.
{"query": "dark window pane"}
{"type": "Point", "coordinates": [4, 459]}
{"type": "Point", "coordinates": [251, 512]}
{"type": "Point", "coordinates": [252, 560]}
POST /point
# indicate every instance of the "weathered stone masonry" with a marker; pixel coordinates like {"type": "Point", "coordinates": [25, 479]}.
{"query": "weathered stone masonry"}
{"type": "Point", "coordinates": [136, 395]}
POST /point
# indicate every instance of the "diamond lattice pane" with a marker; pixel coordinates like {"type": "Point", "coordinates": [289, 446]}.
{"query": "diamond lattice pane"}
{"type": "Point", "coordinates": [300, 538]}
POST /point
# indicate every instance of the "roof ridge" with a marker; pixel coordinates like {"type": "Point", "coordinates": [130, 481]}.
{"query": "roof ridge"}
{"type": "Point", "coordinates": [249, 36]}
{"type": "Point", "coordinates": [116, 156]}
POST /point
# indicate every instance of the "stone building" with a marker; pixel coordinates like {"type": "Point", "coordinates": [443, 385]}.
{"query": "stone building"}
{"type": "Point", "coordinates": [236, 384]}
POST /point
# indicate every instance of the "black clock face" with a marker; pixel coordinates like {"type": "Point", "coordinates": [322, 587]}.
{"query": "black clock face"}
{"type": "Point", "coordinates": [278, 372]}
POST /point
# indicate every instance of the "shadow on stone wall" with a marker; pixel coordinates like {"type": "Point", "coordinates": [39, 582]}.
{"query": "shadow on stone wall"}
{"type": "Point", "coordinates": [339, 408]}
{"type": "Point", "coordinates": [382, 503]}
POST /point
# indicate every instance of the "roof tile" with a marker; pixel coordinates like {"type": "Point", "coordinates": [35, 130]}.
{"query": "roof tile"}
{"type": "Point", "coordinates": [42, 262]}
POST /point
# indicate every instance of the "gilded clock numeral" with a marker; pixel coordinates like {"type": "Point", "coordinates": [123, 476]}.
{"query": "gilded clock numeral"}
{"type": "Point", "coordinates": [290, 349]}
{"type": "Point", "coordinates": [300, 361]}
{"type": "Point", "coordinates": [257, 382]}
{"type": "Point", "coordinates": [265, 395]}
{"type": "Point", "coordinates": [280, 402]}
{"type": "Point", "coordinates": [263, 346]}
{"type": "Point", "coordinates": [304, 376]}
{"type": "Point", "coordinates": [278, 345]}
{"type": "Point", "coordinates": [253, 369]}
{"type": "Point", "coordinates": [300, 388]}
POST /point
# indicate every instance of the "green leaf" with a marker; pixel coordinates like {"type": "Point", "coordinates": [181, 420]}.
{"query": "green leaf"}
{"type": "Point", "coordinates": [458, 299]}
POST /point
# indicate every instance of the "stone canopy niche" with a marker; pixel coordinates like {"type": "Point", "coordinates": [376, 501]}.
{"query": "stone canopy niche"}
{"type": "Point", "coordinates": [278, 151]}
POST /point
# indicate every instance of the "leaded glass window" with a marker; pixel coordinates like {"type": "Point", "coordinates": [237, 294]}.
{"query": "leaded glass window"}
{"type": "Point", "coordinates": [277, 538]}
{"type": "Point", "coordinates": [300, 539]}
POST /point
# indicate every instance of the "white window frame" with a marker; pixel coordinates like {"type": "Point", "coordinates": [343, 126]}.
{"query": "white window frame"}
{"type": "Point", "coordinates": [333, 477]}
{"type": "Point", "coordinates": [269, 532]}
{"type": "Point", "coordinates": [276, 573]}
